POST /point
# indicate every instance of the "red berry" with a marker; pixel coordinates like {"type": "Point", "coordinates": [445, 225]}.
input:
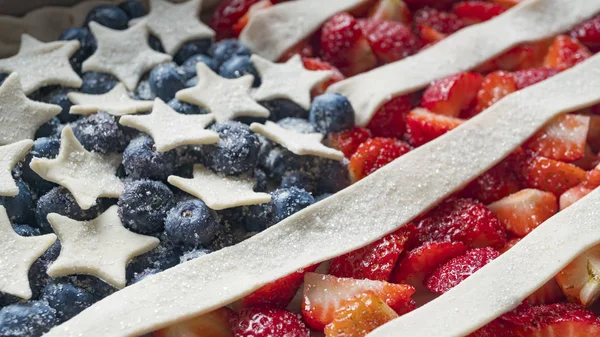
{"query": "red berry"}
{"type": "Point", "coordinates": [390, 41]}
{"type": "Point", "coordinates": [318, 64]}
{"type": "Point", "coordinates": [374, 154]}
{"type": "Point", "coordinates": [450, 95]}
{"type": "Point", "coordinates": [441, 4]}
{"type": "Point", "coordinates": [493, 88]}
{"type": "Point", "coordinates": [227, 14]}
{"type": "Point", "coordinates": [393, 10]}
{"type": "Point", "coordinates": [389, 120]}
{"type": "Point", "coordinates": [563, 138]}
{"type": "Point", "coordinates": [423, 126]}
{"type": "Point", "coordinates": [349, 140]}
{"type": "Point", "coordinates": [495, 184]}
{"type": "Point", "coordinates": [443, 22]}
{"type": "Point", "coordinates": [243, 21]}
{"type": "Point", "coordinates": [477, 11]}
{"type": "Point", "coordinates": [268, 323]}
{"type": "Point", "coordinates": [565, 52]}
{"type": "Point", "coordinates": [525, 78]}
{"type": "Point", "coordinates": [560, 319]}
{"type": "Point", "coordinates": [548, 174]}
{"type": "Point", "coordinates": [588, 33]}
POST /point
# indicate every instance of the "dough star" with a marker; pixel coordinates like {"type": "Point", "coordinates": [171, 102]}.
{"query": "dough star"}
{"type": "Point", "coordinates": [17, 255]}
{"type": "Point", "coordinates": [226, 98]}
{"type": "Point", "coordinates": [218, 191]}
{"type": "Point", "coordinates": [9, 157]}
{"type": "Point", "coordinates": [171, 129]}
{"type": "Point", "coordinates": [298, 143]}
{"type": "Point", "coordinates": [87, 175]}
{"type": "Point", "coordinates": [288, 80]}
{"type": "Point", "coordinates": [115, 102]}
{"type": "Point", "coordinates": [123, 53]}
{"type": "Point", "coordinates": [41, 64]}
{"type": "Point", "coordinates": [175, 24]}
{"type": "Point", "coordinates": [20, 117]}
{"type": "Point", "coordinates": [101, 247]}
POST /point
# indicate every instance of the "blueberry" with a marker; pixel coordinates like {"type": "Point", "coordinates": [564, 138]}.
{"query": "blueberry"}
{"type": "Point", "coordinates": [237, 149]}
{"type": "Point", "coordinates": [26, 230]}
{"type": "Point", "coordinates": [280, 108]}
{"type": "Point", "coordinates": [191, 224]}
{"type": "Point", "coordinates": [87, 45]}
{"type": "Point", "coordinates": [225, 49]}
{"type": "Point", "coordinates": [142, 160]}
{"type": "Point", "coordinates": [143, 91]}
{"type": "Point", "coordinates": [97, 83]}
{"type": "Point", "coordinates": [297, 124]}
{"type": "Point", "coordinates": [67, 299]}
{"type": "Point", "coordinates": [137, 277]}
{"type": "Point", "coordinates": [3, 76]}
{"type": "Point", "coordinates": [192, 82]}
{"type": "Point", "coordinates": [261, 180]}
{"type": "Point", "coordinates": [133, 9]}
{"type": "Point", "coordinates": [109, 16]}
{"type": "Point", "coordinates": [192, 48]}
{"type": "Point", "coordinates": [279, 161]}
{"type": "Point", "coordinates": [299, 179]}
{"type": "Point", "coordinates": [165, 81]}
{"type": "Point", "coordinates": [59, 97]}
{"type": "Point", "coordinates": [238, 66]}
{"type": "Point", "coordinates": [322, 197]}
{"type": "Point", "coordinates": [331, 113]}
{"type": "Point", "coordinates": [59, 200]}
{"type": "Point", "coordinates": [186, 108]}
{"type": "Point", "coordinates": [143, 206]}
{"type": "Point", "coordinates": [90, 284]}
{"type": "Point", "coordinates": [155, 43]}
{"type": "Point", "coordinates": [188, 68]}
{"type": "Point", "coordinates": [163, 257]}
{"type": "Point", "coordinates": [30, 319]}
{"type": "Point", "coordinates": [287, 201]}
{"type": "Point", "coordinates": [42, 148]}
{"type": "Point", "coordinates": [101, 133]}
{"type": "Point", "coordinates": [51, 128]}
{"type": "Point", "coordinates": [257, 218]}
{"type": "Point", "coordinates": [332, 175]}
{"type": "Point", "coordinates": [20, 207]}
{"type": "Point", "coordinates": [194, 254]}
{"type": "Point", "coordinates": [52, 253]}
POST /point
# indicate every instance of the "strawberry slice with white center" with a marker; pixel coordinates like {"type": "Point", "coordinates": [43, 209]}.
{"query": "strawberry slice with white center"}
{"type": "Point", "coordinates": [573, 194]}
{"type": "Point", "coordinates": [392, 10]}
{"type": "Point", "coordinates": [450, 95]}
{"type": "Point", "coordinates": [563, 138]}
{"type": "Point", "coordinates": [423, 126]}
{"type": "Point", "coordinates": [325, 294]}
{"type": "Point", "coordinates": [554, 320]}
{"type": "Point", "coordinates": [580, 279]}
{"type": "Point", "coordinates": [257, 322]}
{"type": "Point", "coordinates": [212, 324]}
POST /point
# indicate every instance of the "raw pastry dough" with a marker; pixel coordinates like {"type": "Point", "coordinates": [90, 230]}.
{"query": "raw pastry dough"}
{"type": "Point", "coordinates": [9, 157]}
{"type": "Point", "coordinates": [348, 220]}
{"type": "Point", "coordinates": [115, 102]}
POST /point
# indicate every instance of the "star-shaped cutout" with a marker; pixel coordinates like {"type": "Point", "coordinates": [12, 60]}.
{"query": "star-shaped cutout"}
{"type": "Point", "coordinates": [87, 175]}
{"type": "Point", "coordinates": [175, 24]}
{"type": "Point", "coordinates": [226, 98]}
{"type": "Point", "coordinates": [17, 255]}
{"type": "Point", "coordinates": [289, 80]}
{"type": "Point", "coordinates": [41, 64]}
{"type": "Point", "coordinates": [115, 102]}
{"type": "Point", "coordinates": [123, 53]}
{"type": "Point", "coordinates": [101, 247]}
{"type": "Point", "coordinates": [20, 117]}
{"type": "Point", "coordinates": [9, 157]}
{"type": "Point", "coordinates": [299, 143]}
{"type": "Point", "coordinates": [219, 191]}
{"type": "Point", "coordinates": [171, 129]}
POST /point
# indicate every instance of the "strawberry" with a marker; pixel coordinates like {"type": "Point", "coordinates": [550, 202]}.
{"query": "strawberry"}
{"type": "Point", "coordinates": [477, 11]}
{"type": "Point", "coordinates": [227, 13]}
{"type": "Point", "coordinates": [493, 88]}
{"type": "Point", "coordinates": [521, 57]}
{"type": "Point", "coordinates": [430, 36]}
{"type": "Point", "coordinates": [390, 40]}
{"type": "Point", "coordinates": [589, 159]}
{"type": "Point", "coordinates": [318, 64]}
{"type": "Point", "coordinates": [453, 272]}
{"type": "Point", "coordinates": [325, 294]}
{"type": "Point", "coordinates": [495, 184]}
{"type": "Point", "coordinates": [495, 328]}
{"type": "Point", "coordinates": [563, 138]}
{"type": "Point", "coordinates": [593, 136]}
{"type": "Point", "coordinates": [423, 126]}
{"type": "Point", "coordinates": [508, 3]}
{"type": "Point", "coordinates": [548, 174]}
{"type": "Point", "coordinates": [443, 22]}
{"type": "Point", "coordinates": [212, 324]}
{"type": "Point", "coordinates": [304, 49]}
{"type": "Point", "coordinates": [527, 77]}
{"type": "Point", "coordinates": [374, 154]}
{"type": "Point", "coordinates": [359, 316]}
{"type": "Point", "coordinates": [349, 140]}
{"type": "Point", "coordinates": [259, 322]}
{"type": "Point", "coordinates": [580, 279]}
{"type": "Point", "coordinates": [462, 219]}
{"type": "Point", "coordinates": [572, 195]}
{"type": "Point", "coordinates": [565, 52]}
{"type": "Point", "coordinates": [389, 120]}
{"type": "Point", "coordinates": [593, 177]}
{"type": "Point", "coordinates": [522, 212]}
{"type": "Point", "coordinates": [560, 319]}
{"type": "Point", "coordinates": [392, 10]}
{"type": "Point", "coordinates": [450, 95]}
{"type": "Point", "coordinates": [374, 262]}
{"type": "Point", "coordinates": [344, 45]}
{"type": "Point", "coordinates": [243, 21]}
{"type": "Point", "coordinates": [588, 33]}
{"type": "Point", "coordinates": [549, 293]}
{"type": "Point", "coordinates": [278, 293]}
{"type": "Point", "coordinates": [511, 243]}
{"type": "Point", "coordinates": [418, 263]}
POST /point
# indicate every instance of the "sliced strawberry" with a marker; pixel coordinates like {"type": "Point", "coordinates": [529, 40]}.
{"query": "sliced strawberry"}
{"type": "Point", "coordinates": [573, 194]}
{"type": "Point", "coordinates": [477, 11]}
{"type": "Point", "coordinates": [259, 322]}
{"type": "Point", "coordinates": [212, 324]}
{"type": "Point", "coordinates": [560, 319]}
{"type": "Point", "coordinates": [593, 177]}
{"type": "Point", "coordinates": [418, 263]}
{"type": "Point", "coordinates": [522, 212]}
{"type": "Point", "coordinates": [443, 22]}
{"type": "Point", "coordinates": [563, 138]}
{"type": "Point", "coordinates": [302, 48]}
{"type": "Point", "coordinates": [440, 4]}
{"type": "Point", "coordinates": [580, 279]}
{"type": "Point", "coordinates": [359, 316]}
{"type": "Point", "coordinates": [429, 36]}
{"type": "Point", "coordinates": [593, 136]}
{"type": "Point", "coordinates": [423, 126]}
{"type": "Point", "coordinates": [549, 293]}
{"type": "Point", "coordinates": [278, 293]}
{"type": "Point", "coordinates": [508, 3]}
{"type": "Point", "coordinates": [325, 294]}
{"type": "Point", "coordinates": [453, 272]}
{"type": "Point", "coordinates": [392, 10]}
{"type": "Point", "coordinates": [565, 52]}
{"type": "Point", "coordinates": [344, 45]}
{"type": "Point", "coordinates": [548, 174]}
{"type": "Point", "coordinates": [390, 40]}
{"type": "Point", "coordinates": [525, 78]}
{"type": "Point", "coordinates": [349, 140]}
{"type": "Point", "coordinates": [373, 262]}
{"type": "Point", "coordinates": [495, 184]}
{"type": "Point", "coordinates": [493, 88]}
{"type": "Point", "coordinates": [243, 21]}
{"type": "Point", "coordinates": [318, 64]}
{"type": "Point", "coordinates": [450, 95]}
{"type": "Point", "coordinates": [511, 243]}
{"type": "Point", "coordinates": [389, 120]}
{"type": "Point", "coordinates": [227, 14]}
{"type": "Point", "coordinates": [588, 33]}
{"type": "Point", "coordinates": [462, 219]}
{"type": "Point", "coordinates": [374, 154]}
{"type": "Point", "coordinates": [495, 328]}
